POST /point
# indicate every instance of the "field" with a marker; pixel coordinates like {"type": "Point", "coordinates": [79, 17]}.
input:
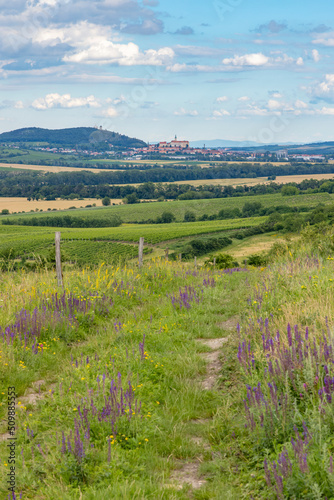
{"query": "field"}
{"type": "Point", "coordinates": [145, 211]}
{"type": "Point", "coordinates": [53, 168]}
{"type": "Point", "coordinates": [22, 204]}
{"type": "Point", "coordinates": [280, 179]}
{"type": "Point", "coordinates": [170, 382]}
{"type": "Point", "coordinates": [93, 241]}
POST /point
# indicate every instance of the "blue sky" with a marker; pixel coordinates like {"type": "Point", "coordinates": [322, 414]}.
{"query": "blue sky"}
{"type": "Point", "coordinates": [223, 69]}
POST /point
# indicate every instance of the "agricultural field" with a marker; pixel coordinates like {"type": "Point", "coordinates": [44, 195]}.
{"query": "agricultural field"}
{"type": "Point", "coordinates": [144, 211]}
{"type": "Point", "coordinates": [92, 246]}
{"type": "Point", "coordinates": [171, 382]}
{"type": "Point", "coordinates": [280, 179]}
{"type": "Point", "coordinates": [51, 168]}
{"type": "Point", "coordinates": [23, 205]}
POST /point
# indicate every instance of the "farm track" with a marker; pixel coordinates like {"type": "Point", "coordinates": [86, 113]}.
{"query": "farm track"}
{"type": "Point", "coordinates": [188, 473]}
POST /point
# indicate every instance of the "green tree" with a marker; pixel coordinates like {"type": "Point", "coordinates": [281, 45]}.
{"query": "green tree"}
{"type": "Point", "coordinates": [106, 201]}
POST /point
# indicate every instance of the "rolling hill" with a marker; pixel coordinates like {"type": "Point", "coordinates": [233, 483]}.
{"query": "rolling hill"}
{"type": "Point", "coordinates": [69, 137]}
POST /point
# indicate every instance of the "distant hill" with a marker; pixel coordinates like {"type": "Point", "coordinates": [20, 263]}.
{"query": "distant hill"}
{"type": "Point", "coordinates": [70, 137]}
{"type": "Point", "coordinates": [222, 143]}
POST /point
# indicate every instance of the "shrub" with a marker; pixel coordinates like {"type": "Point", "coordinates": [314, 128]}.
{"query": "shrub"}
{"type": "Point", "coordinates": [223, 261]}
{"type": "Point", "coordinates": [106, 201]}
{"type": "Point", "coordinates": [189, 216]}
{"type": "Point", "coordinates": [257, 260]}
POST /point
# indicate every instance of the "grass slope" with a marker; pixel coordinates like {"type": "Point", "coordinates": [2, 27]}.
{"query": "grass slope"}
{"type": "Point", "coordinates": [135, 331]}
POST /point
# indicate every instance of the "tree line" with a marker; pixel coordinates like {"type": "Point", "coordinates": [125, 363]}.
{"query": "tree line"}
{"type": "Point", "coordinates": [83, 184]}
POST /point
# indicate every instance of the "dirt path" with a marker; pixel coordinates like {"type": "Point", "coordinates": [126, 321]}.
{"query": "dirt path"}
{"type": "Point", "coordinates": [187, 473]}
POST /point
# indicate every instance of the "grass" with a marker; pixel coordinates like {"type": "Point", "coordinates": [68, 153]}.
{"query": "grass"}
{"type": "Point", "coordinates": [145, 211]}
{"type": "Point", "coordinates": [102, 340]}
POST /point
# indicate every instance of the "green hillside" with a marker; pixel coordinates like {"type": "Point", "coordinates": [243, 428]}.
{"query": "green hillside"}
{"type": "Point", "coordinates": [69, 137]}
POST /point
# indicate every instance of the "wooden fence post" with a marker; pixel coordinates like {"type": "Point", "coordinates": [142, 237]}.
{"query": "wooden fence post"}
{"type": "Point", "coordinates": [214, 263]}
{"type": "Point", "coordinates": [180, 257]}
{"type": "Point", "coordinates": [58, 259]}
{"type": "Point", "coordinates": [140, 253]}
{"type": "Point", "coordinates": [195, 261]}
{"type": "Point", "coordinates": [166, 254]}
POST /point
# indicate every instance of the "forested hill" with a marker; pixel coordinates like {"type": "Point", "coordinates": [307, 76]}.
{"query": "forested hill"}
{"type": "Point", "coordinates": [69, 137]}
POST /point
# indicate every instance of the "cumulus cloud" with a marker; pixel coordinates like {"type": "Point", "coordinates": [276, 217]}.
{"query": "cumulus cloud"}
{"type": "Point", "coordinates": [109, 112]}
{"type": "Point", "coordinates": [64, 101]}
{"type": "Point", "coordinates": [324, 90]}
{"type": "Point", "coordinates": [325, 111]}
{"type": "Point", "coordinates": [220, 113]}
{"type": "Point", "coordinates": [243, 98]}
{"type": "Point", "coordinates": [257, 59]}
{"type": "Point", "coordinates": [184, 112]}
{"type": "Point", "coordinates": [315, 55]}
{"type": "Point", "coordinates": [301, 104]}
{"type": "Point", "coordinates": [222, 98]}
{"type": "Point", "coordinates": [92, 44]}
{"type": "Point", "coordinates": [326, 39]}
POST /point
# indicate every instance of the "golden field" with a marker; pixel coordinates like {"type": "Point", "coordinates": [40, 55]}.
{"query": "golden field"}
{"type": "Point", "coordinates": [55, 169]}
{"type": "Point", "coordinates": [23, 205]}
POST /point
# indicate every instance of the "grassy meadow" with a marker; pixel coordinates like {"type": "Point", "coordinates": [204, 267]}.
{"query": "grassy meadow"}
{"type": "Point", "coordinates": [122, 392]}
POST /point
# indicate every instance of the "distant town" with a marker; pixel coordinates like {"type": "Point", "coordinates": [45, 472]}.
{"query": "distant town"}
{"type": "Point", "coordinates": [178, 150]}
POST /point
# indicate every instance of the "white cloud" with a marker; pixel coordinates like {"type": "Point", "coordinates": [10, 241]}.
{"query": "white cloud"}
{"type": "Point", "coordinates": [252, 110]}
{"type": "Point", "coordinates": [223, 98]}
{"type": "Point", "coordinates": [64, 101]}
{"type": "Point", "coordinates": [19, 105]}
{"type": "Point", "coordinates": [244, 98]}
{"type": "Point", "coordinates": [191, 68]}
{"type": "Point", "coordinates": [95, 44]}
{"type": "Point", "coordinates": [274, 105]}
{"type": "Point", "coordinates": [258, 59]}
{"type": "Point", "coordinates": [110, 112]}
{"type": "Point", "coordinates": [220, 113]}
{"type": "Point", "coordinates": [277, 95]}
{"type": "Point", "coordinates": [184, 112]}
{"type": "Point", "coordinates": [316, 55]}
{"type": "Point", "coordinates": [325, 89]}
{"type": "Point", "coordinates": [301, 104]}
{"type": "Point", "coordinates": [326, 39]}
{"type": "Point", "coordinates": [325, 111]}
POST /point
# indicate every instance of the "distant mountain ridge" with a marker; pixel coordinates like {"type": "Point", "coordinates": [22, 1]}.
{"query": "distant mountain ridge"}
{"type": "Point", "coordinates": [70, 137]}
{"type": "Point", "coordinates": [222, 143]}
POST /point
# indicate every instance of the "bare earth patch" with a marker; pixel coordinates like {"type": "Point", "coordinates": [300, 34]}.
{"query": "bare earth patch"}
{"type": "Point", "coordinates": [230, 324]}
{"type": "Point", "coordinates": [188, 474]}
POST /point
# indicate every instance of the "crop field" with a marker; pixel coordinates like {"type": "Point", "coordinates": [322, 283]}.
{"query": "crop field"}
{"type": "Point", "coordinates": [280, 179]}
{"type": "Point", "coordinates": [52, 168]}
{"type": "Point", "coordinates": [20, 240]}
{"type": "Point", "coordinates": [145, 211]}
{"type": "Point", "coordinates": [23, 205]}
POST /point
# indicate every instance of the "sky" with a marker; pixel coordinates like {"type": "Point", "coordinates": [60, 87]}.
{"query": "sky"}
{"type": "Point", "coordinates": [243, 70]}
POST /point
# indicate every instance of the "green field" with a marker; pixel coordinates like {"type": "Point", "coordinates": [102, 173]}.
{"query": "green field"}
{"type": "Point", "coordinates": [145, 211]}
